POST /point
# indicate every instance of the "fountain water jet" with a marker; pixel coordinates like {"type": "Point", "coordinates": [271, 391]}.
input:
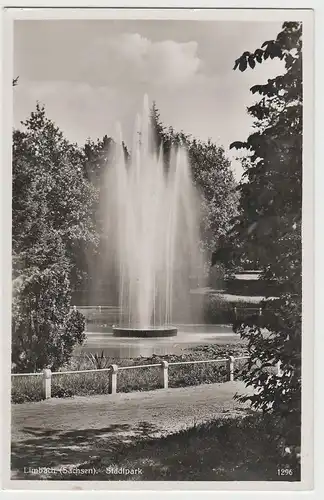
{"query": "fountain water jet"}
{"type": "Point", "coordinates": [153, 232]}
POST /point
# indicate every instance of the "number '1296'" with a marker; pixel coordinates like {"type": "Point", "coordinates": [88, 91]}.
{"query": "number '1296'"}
{"type": "Point", "coordinates": [284, 472]}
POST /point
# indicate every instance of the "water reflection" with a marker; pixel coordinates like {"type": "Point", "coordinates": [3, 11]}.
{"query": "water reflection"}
{"type": "Point", "coordinates": [188, 336]}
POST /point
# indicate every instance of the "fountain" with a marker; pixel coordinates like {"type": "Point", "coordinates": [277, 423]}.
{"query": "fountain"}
{"type": "Point", "coordinates": [152, 229]}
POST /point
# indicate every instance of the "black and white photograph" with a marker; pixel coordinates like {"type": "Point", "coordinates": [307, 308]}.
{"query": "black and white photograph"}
{"type": "Point", "coordinates": [158, 166]}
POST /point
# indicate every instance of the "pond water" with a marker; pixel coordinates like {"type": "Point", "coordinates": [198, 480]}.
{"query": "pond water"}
{"type": "Point", "coordinates": [188, 336]}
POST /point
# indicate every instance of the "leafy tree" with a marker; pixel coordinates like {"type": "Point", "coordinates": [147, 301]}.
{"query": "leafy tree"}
{"type": "Point", "coordinates": [269, 228]}
{"type": "Point", "coordinates": [51, 224]}
{"type": "Point", "coordinates": [214, 178]}
{"type": "Point", "coordinates": [49, 187]}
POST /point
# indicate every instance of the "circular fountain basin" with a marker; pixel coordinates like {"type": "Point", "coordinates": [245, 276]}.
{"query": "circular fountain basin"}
{"type": "Point", "coordinates": [166, 331]}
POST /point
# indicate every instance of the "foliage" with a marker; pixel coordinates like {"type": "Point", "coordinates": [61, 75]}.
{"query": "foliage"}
{"type": "Point", "coordinates": [214, 178]}
{"type": "Point", "coordinates": [50, 192]}
{"type": "Point", "coordinates": [98, 361]}
{"type": "Point", "coordinates": [51, 224]}
{"type": "Point", "coordinates": [44, 331]}
{"type": "Point", "coordinates": [269, 227]}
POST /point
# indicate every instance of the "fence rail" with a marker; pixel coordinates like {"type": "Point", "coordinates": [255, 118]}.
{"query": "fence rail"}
{"type": "Point", "coordinates": [113, 370]}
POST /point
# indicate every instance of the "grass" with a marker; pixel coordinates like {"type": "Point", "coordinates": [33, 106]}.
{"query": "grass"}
{"type": "Point", "coordinates": [24, 389]}
{"type": "Point", "coordinates": [243, 448]}
{"type": "Point", "coordinates": [240, 449]}
{"type": "Point", "coordinates": [143, 379]}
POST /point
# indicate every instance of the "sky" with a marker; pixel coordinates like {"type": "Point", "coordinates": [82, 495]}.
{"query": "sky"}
{"type": "Point", "coordinates": [91, 74]}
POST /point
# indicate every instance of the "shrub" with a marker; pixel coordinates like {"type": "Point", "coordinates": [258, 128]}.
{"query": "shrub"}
{"type": "Point", "coordinates": [44, 331]}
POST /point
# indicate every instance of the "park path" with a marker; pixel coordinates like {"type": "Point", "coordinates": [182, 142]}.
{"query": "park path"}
{"type": "Point", "coordinates": [57, 432]}
{"type": "Point", "coordinates": [168, 410]}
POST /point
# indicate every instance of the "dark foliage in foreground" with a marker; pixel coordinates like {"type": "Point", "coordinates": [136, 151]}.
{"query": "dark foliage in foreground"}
{"type": "Point", "coordinates": [269, 229]}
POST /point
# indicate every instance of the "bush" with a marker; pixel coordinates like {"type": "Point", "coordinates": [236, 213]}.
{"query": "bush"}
{"type": "Point", "coordinates": [44, 331]}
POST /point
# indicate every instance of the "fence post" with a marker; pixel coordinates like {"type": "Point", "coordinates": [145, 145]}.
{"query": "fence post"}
{"type": "Point", "coordinates": [279, 371]}
{"type": "Point", "coordinates": [47, 379]}
{"type": "Point", "coordinates": [164, 374]}
{"type": "Point", "coordinates": [230, 367]}
{"type": "Point", "coordinates": [113, 379]}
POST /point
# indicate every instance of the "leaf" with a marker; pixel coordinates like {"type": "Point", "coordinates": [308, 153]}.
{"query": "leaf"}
{"type": "Point", "coordinates": [251, 61]}
{"type": "Point", "coordinates": [243, 64]}
{"type": "Point", "coordinates": [236, 64]}
{"type": "Point", "coordinates": [237, 145]}
{"type": "Point", "coordinates": [255, 88]}
{"type": "Point", "coordinates": [258, 55]}
{"type": "Point", "coordinates": [266, 43]}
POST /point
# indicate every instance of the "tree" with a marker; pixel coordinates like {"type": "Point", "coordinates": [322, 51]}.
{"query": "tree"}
{"type": "Point", "coordinates": [51, 224]}
{"type": "Point", "coordinates": [269, 228]}
{"type": "Point", "coordinates": [49, 185]}
{"type": "Point", "coordinates": [214, 178]}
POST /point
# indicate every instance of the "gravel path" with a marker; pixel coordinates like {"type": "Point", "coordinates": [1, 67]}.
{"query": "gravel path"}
{"type": "Point", "coordinates": [69, 431]}
{"type": "Point", "coordinates": [168, 410]}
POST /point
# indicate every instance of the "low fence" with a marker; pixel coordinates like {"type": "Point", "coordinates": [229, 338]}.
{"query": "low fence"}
{"type": "Point", "coordinates": [238, 309]}
{"type": "Point", "coordinates": [113, 370]}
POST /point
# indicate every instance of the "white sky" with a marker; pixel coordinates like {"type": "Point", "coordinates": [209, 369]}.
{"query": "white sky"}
{"type": "Point", "coordinates": [90, 74]}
